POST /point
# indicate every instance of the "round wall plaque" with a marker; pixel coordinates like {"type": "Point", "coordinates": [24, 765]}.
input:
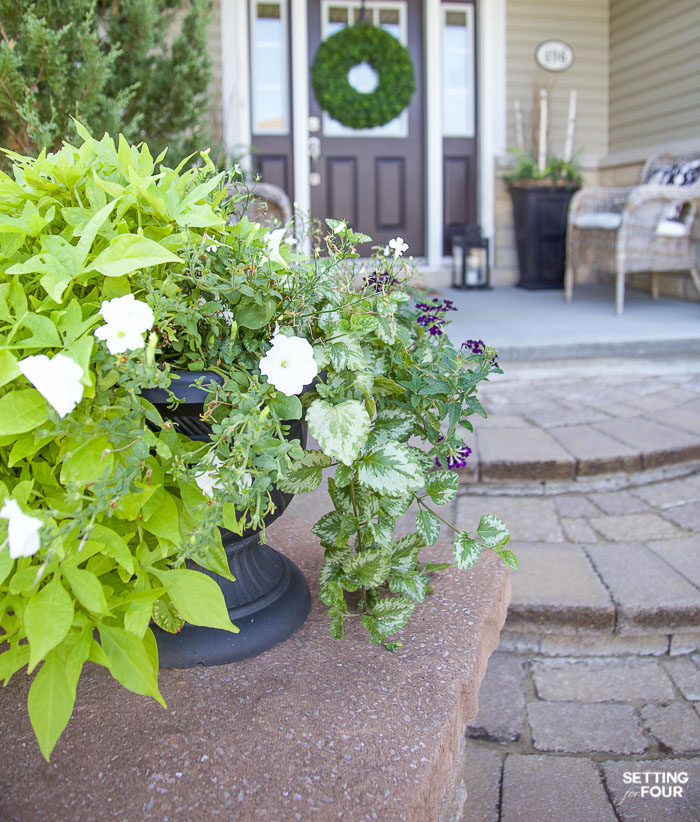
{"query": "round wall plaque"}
{"type": "Point", "coordinates": [554, 55]}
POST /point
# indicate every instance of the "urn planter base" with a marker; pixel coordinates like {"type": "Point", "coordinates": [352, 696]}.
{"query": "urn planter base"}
{"type": "Point", "coordinates": [270, 598]}
{"type": "Point", "coordinates": [268, 602]}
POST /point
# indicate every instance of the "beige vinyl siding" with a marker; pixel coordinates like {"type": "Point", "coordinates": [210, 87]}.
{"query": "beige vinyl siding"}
{"type": "Point", "coordinates": [583, 24]}
{"type": "Point", "coordinates": [654, 71]}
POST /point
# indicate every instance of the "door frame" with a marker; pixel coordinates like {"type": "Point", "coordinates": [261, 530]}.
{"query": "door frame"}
{"type": "Point", "coordinates": [491, 102]}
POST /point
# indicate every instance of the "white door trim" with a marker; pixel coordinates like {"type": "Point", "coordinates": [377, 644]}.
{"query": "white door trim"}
{"type": "Point", "coordinates": [235, 80]}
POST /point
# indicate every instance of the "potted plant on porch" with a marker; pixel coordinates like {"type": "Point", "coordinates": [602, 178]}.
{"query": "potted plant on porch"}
{"type": "Point", "coordinates": [132, 292]}
{"type": "Point", "coordinates": [541, 186]}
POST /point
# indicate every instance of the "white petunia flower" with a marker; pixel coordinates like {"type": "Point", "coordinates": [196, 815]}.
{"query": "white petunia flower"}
{"type": "Point", "coordinates": [272, 241]}
{"type": "Point", "coordinates": [289, 365]}
{"type": "Point", "coordinates": [399, 246]}
{"type": "Point", "coordinates": [207, 481]}
{"type": "Point", "coordinates": [56, 379]}
{"type": "Point", "coordinates": [127, 320]}
{"type": "Point", "coordinates": [22, 530]}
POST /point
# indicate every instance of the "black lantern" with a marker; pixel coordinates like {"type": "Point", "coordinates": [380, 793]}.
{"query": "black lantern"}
{"type": "Point", "coordinates": [470, 259]}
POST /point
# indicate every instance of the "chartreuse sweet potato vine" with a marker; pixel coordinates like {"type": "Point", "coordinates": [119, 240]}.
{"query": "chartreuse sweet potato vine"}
{"type": "Point", "coordinates": [116, 273]}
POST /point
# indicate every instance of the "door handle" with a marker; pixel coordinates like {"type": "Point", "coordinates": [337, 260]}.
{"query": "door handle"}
{"type": "Point", "coordinates": [314, 158]}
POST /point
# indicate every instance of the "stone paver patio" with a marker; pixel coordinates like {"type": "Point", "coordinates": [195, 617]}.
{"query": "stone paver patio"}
{"type": "Point", "coordinates": [595, 690]}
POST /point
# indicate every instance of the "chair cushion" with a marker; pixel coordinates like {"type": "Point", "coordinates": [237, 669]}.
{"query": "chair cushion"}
{"type": "Point", "coordinates": [672, 228]}
{"type": "Point", "coordinates": [607, 220]}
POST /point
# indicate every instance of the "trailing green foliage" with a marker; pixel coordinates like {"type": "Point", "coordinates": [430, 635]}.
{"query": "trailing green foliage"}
{"type": "Point", "coordinates": [363, 43]}
{"type": "Point", "coordinates": [137, 66]}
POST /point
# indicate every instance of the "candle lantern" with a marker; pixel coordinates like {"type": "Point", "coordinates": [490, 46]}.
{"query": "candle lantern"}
{"type": "Point", "coordinates": [470, 259]}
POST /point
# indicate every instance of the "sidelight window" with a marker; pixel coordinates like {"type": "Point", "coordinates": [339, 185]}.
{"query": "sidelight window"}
{"type": "Point", "coordinates": [458, 71]}
{"type": "Point", "coordinates": [269, 75]}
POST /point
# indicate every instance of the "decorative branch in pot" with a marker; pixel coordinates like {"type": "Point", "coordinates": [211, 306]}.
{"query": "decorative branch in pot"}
{"type": "Point", "coordinates": [123, 280]}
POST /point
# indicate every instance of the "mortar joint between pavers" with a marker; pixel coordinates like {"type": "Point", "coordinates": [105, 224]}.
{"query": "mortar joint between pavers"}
{"type": "Point", "coordinates": [616, 604]}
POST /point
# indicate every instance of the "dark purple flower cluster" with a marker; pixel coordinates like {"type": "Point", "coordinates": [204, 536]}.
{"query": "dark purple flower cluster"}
{"type": "Point", "coordinates": [475, 346]}
{"type": "Point", "coordinates": [460, 458]}
{"type": "Point", "coordinates": [380, 280]}
{"type": "Point", "coordinates": [432, 316]}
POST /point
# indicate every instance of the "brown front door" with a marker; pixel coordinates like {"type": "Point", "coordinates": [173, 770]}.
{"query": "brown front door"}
{"type": "Point", "coordinates": [373, 178]}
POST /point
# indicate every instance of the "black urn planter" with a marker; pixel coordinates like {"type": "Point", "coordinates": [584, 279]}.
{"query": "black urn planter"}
{"type": "Point", "coordinates": [270, 598]}
{"type": "Point", "coordinates": [539, 216]}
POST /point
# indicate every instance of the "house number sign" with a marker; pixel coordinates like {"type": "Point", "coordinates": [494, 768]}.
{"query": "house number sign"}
{"type": "Point", "coordinates": [554, 55]}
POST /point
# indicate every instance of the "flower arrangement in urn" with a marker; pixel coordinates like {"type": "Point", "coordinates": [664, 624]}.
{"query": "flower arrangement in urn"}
{"type": "Point", "coordinates": [121, 276]}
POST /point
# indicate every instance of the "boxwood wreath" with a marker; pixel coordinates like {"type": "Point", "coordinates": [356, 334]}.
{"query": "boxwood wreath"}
{"type": "Point", "coordinates": [363, 43]}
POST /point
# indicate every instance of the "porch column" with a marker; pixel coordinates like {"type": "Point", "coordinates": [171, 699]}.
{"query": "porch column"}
{"type": "Point", "coordinates": [492, 105]}
{"type": "Point", "coordinates": [300, 104]}
{"type": "Point", "coordinates": [433, 134]}
{"type": "Point", "coordinates": [235, 81]}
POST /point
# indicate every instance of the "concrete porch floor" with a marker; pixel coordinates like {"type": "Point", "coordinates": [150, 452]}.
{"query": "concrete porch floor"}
{"type": "Point", "coordinates": [524, 324]}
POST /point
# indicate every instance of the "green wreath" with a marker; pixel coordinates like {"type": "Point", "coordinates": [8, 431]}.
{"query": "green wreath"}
{"type": "Point", "coordinates": [363, 43]}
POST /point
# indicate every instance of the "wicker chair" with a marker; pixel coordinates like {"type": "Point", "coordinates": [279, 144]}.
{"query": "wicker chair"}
{"type": "Point", "coordinates": [640, 228]}
{"type": "Point", "coordinates": [264, 203]}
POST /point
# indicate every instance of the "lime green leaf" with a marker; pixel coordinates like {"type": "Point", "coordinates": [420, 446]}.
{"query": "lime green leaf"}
{"type": "Point", "coordinates": [197, 598]}
{"type": "Point", "coordinates": [509, 558]}
{"type": "Point", "coordinates": [492, 530]}
{"type": "Point", "coordinates": [428, 526]}
{"type": "Point", "coordinates": [113, 546]}
{"type": "Point", "coordinates": [441, 486]}
{"type": "Point", "coordinates": [306, 474]}
{"type": "Point", "coordinates": [466, 551]}
{"type": "Point", "coordinates": [390, 469]}
{"type": "Point", "coordinates": [87, 589]}
{"type": "Point", "coordinates": [88, 234]}
{"type": "Point", "coordinates": [87, 460]}
{"type": "Point", "coordinates": [22, 411]}
{"type": "Point", "coordinates": [50, 704]}
{"type": "Point", "coordinates": [371, 568]}
{"type": "Point", "coordinates": [6, 562]}
{"type": "Point", "coordinates": [130, 252]}
{"type": "Point", "coordinates": [47, 619]}
{"type": "Point", "coordinates": [8, 367]}
{"type": "Point", "coordinates": [341, 430]}
{"type": "Point", "coordinates": [129, 662]}
{"type": "Point", "coordinates": [44, 333]}
{"type": "Point", "coordinates": [163, 521]}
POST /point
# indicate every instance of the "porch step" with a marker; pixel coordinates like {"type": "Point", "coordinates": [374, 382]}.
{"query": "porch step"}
{"type": "Point", "coordinates": [600, 599]}
{"type": "Point", "coordinates": [561, 424]}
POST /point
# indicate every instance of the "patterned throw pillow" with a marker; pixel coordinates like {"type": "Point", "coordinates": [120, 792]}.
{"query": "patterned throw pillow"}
{"type": "Point", "coordinates": [678, 174]}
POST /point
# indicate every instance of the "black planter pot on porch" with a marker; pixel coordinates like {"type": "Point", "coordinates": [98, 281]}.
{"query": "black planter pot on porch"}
{"type": "Point", "coordinates": [539, 216]}
{"type": "Point", "coordinates": [270, 598]}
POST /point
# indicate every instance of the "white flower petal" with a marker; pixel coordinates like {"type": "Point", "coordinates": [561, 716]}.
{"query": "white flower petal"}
{"type": "Point", "coordinates": [127, 311]}
{"type": "Point", "coordinates": [399, 246]}
{"type": "Point", "coordinates": [272, 242]}
{"type": "Point", "coordinates": [56, 379]}
{"type": "Point", "coordinates": [289, 365]}
{"type": "Point", "coordinates": [22, 530]}
{"type": "Point", "coordinates": [119, 339]}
